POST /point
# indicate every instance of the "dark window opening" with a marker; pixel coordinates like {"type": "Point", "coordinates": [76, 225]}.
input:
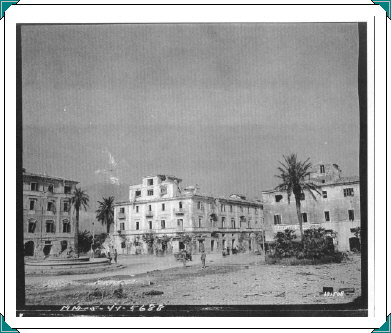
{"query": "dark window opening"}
{"type": "Point", "coordinates": [32, 226]}
{"type": "Point", "coordinates": [32, 204]}
{"type": "Point", "coordinates": [50, 206]}
{"type": "Point", "coordinates": [278, 197]}
{"type": "Point", "coordinates": [327, 216]}
{"type": "Point", "coordinates": [122, 210]}
{"type": "Point", "coordinates": [138, 193]}
{"type": "Point", "coordinates": [137, 225]}
{"type": "Point", "coordinates": [163, 207]}
{"type": "Point", "coordinates": [324, 194]}
{"type": "Point", "coordinates": [149, 208]}
{"type": "Point", "coordinates": [348, 192]}
{"type": "Point", "coordinates": [150, 182]}
{"type": "Point", "coordinates": [137, 209]}
{"type": "Point", "coordinates": [51, 188]}
{"type": "Point", "coordinates": [49, 226]}
{"type": "Point", "coordinates": [122, 226]}
{"type": "Point", "coordinates": [66, 226]}
{"type": "Point", "coordinates": [34, 186]}
{"type": "Point", "coordinates": [180, 205]}
{"type": "Point", "coordinates": [304, 217]}
{"type": "Point", "coordinates": [66, 206]}
{"type": "Point", "coordinates": [351, 214]}
{"type": "Point", "coordinates": [67, 189]}
{"type": "Point", "coordinates": [163, 224]}
{"type": "Point", "coordinates": [150, 225]}
{"type": "Point", "coordinates": [322, 169]}
{"type": "Point", "coordinates": [277, 219]}
{"type": "Point", "coordinates": [150, 192]}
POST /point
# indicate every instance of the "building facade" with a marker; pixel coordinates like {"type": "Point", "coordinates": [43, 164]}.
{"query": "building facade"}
{"type": "Point", "coordinates": [336, 208]}
{"type": "Point", "coordinates": [47, 222]}
{"type": "Point", "coordinates": [161, 208]}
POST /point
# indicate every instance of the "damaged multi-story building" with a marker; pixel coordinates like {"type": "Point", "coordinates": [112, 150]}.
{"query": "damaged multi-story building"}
{"type": "Point", "coordinates": [336, 208]}
{"type": "Point", "coordinates": [47, 221]}
{"type": "Point", "coordinates": [161, 208]}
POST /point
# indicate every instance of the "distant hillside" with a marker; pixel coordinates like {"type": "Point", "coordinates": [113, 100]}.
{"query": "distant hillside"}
{"type": "Point", "coordinates": [97, 192]}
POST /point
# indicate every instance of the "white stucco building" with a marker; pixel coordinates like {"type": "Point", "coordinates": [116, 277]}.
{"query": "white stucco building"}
{"type": "Point", "coordinates": [161, 208]}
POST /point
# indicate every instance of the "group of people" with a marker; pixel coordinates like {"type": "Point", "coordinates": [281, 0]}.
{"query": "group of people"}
{"type": "Point", "coordinates": [187, 256]}
{"type": "Point", "coordinates": [115, 256]}
{"type": "Point", "coordinates": [227, 251]}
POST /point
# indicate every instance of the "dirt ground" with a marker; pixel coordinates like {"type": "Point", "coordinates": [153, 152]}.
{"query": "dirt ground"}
{"type": "Point", "coordinates": [239, 279]}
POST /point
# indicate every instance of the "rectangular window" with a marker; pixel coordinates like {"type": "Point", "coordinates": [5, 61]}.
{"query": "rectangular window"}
{"type": "Point", "coordinates": [49, 226]}
{"type": "Point", "coordinates": [304, 217]}
{"type": "Point", "coordinates": [137, 209]}
{"type": "Point", "coordinates": [324, 194]}
{"type": "Point", "coordinates": [222, 208]}
{"type": "Point", "coordinates": [230, 208]}
{"type": "Point", "coordinates": [138, 193]}
{"type": "Point", "coordinates": [199, 205]}
{"type": "Point", "coordinates": [150, 182]}
{"type": "Point", "coordinates": [278, 197]}
{"type": "Point", "coordinates": [32, 204]}
{"type": "Point", "coordinates": [348, 192]}
{"type": "Point", "coordinates": [149, 208]}
{"type": "Point", "coordinates": [34, 186]}
{"type": "Point", "coordinates": [277, 219]}
{"type": "Point", "coordinates": [150, 192]}
{"type": "Point", "coordinates": [67, 189]}
{"type": "Point", "coordinates": [66, 206]}
{"type": "Point", "coordinates": [122, 210]}
{"type": "Point", "coordinates": [241, 209]}
{"type": "Point", "coordinates": [32, 226]}
{"type": "Point", "coordinates": [51, 188]}
{"type": "Point", "coordinates": [327, 216]}
{"type": "Point", "coordinates": [179, 223]}
{"type": "Point", "coordinates": [150, 225]}
{"type": "Point", "coordinates": [163, 224]}
{"type": "Point", "coordinates": [137, 225]}
{"type": "Point", "coordinates": [163, 207]}
{"type": "Point", "coordinates": [180, 205]}
{"type": "Point", "coordinates": [66, 226]}
{"type": "Point", "coordinates": [122, 226]}
{"type": "Point", "coordinates": [322, 168]}
{"type": "Point", "coordinates": [50, 206]}
{"type": "Point", "coordinates": [199, 222]}
{"type": "Point", "coordinates": [223, 222]}
{"type": "Point", "coordinates": [351, 214]}
{"type": "Point", "coordinates": [256, 211]}
{"type": "Point", "coordinates": [233, 226]}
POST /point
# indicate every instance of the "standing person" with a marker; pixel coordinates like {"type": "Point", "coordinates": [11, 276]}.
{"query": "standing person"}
{"type": "Point", "coordinates": [203, 259]}
{"type": "Point", "coordinates": [115, 255]}
{"type": "Point", "coordinates": [184, 258]}
{"type": "Point", "coordinates": [109, 256]}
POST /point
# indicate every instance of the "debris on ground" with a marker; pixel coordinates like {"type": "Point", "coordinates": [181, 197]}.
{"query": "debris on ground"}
{"type": "Point", "coordinates": [153, 292]}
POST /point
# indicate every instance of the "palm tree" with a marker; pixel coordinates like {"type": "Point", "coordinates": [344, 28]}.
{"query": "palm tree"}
{"type": "Point", "coordinates": [79, 200]}
{"type": "Point", "coordinates": [105, 212]}
{"type": "Point", "coordinates": [295, 179]}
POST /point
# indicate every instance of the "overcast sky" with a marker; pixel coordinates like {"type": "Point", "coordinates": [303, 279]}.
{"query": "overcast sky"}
{"type": "Point", "coordinates": [214, 104]}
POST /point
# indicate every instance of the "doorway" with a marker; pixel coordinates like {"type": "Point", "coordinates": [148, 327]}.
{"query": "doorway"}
{"type": "Point", "coordinates": [354, 244]}
{"type": "Point", "coordinates": [181, 246]}
{"type": "Point", "coordinates": [212, 245]}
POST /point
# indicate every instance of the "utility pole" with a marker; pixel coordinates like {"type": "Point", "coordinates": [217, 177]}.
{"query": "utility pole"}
{"type": "Point", "coordinates": [93, 239]}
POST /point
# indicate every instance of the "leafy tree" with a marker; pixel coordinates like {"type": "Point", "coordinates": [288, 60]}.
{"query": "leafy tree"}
{"type": "Point", "coordinates": [84, 241]}
{"type": "Point", "coordinates": [149, 239]}
{"type": "Point", "coordinates": [294, 176]}
{"type": "Point", "coordinates": [79, 200]}
{"type": "Point", "coordinates": [105, 212]}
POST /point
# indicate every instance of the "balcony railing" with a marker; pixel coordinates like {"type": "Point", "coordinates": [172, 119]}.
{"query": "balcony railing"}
{"type": "Point", "coordinates": [149, 214]}
{"type": "Point", "coordinates": [179, 211]}
{"type": "Point", "coordinates": [121, 215]}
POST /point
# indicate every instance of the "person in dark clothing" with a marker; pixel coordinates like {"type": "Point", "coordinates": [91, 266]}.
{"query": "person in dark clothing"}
{"type": "Point", "coordinates": [115, 255]}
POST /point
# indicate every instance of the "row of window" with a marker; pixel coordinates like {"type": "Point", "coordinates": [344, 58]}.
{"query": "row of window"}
{"type": "Point", "coordinates": [50, 206]}
{"type": "Point", "coordinates": [304, 216]}
{"type": "Point", "coordinates": [49, 226]}
{"type": "Point", "coordinates": [50, 188]}
{"type": "Point", "coordinates": [347, 192]}
{"type": "Point", "coordinates": [199, 225]}
{"type": "Point", "coordinates": [200, 206]}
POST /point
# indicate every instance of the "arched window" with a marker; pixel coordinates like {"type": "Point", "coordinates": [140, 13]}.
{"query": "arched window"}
{"type": "Point", "coordinates": [66, 226]}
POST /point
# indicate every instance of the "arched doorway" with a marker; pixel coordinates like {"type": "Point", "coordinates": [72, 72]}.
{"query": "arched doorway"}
{"type": "Point", "coordinates": [29, 248]}
{"type": "Point", "coordinates": [64, 245]}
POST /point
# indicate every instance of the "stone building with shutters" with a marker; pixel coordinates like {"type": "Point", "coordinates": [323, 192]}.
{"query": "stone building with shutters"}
{"type": "Point", "coordinates": [47, 221]}
{"type": "Point", "coordinates": [161, 209]}
{"type": "Point", "coordinates": [336, 208]}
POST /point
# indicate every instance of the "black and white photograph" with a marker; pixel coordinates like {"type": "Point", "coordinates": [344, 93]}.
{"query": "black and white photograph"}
{"type": "Point", "coordinates": [192, 169]}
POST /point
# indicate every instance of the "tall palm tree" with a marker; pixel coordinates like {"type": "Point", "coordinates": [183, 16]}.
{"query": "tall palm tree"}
{"type": "Point", "coordinates": [79, 200]}
{"type": "Point", "coordinates": [105, 212]}
{"type": "Point", "coordinates": [295, 179]}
